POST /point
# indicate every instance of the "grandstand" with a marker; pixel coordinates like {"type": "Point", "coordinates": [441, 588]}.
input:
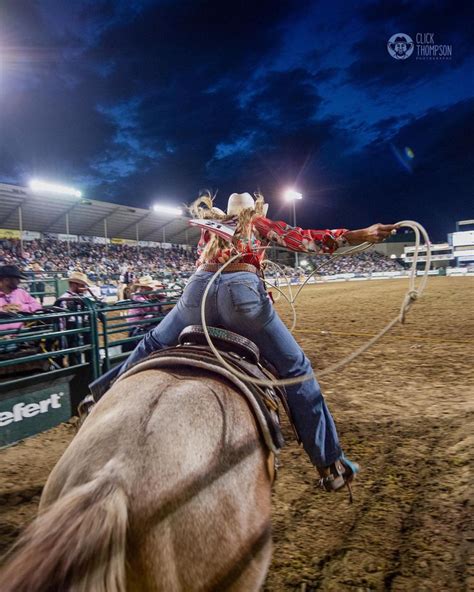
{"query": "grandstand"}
{"type": "Point", "coordinates": [462, 242]}
{"type": "Point", "coordinates": [25, 214]}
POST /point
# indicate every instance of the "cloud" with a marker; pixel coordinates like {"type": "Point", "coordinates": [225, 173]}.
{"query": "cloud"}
{"type": "Point", "coordinates": [439, 190]}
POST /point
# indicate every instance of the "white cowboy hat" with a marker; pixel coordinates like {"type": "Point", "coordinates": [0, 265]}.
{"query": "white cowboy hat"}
{"type": "Point", "coordinates": [238, 202]}
{"type": "Point", "coordinates": [79, 278]}
{"type": "Point", "coordinates": [147, 282]}
{"type": "Point", "coordinates": [241, 201]}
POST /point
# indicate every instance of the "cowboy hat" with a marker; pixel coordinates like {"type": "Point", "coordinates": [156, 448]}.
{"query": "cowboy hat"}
{"type": "Point", "coordinates": [79, 278]}
{"type": "Point", "coordinates": [242, 201]}
{"type": "Point", "coordinates": [147, 282]}
{"type": "Point", "coordinates": [11, 271]}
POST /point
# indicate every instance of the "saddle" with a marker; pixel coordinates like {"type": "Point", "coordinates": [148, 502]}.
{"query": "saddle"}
{"type": "Point", "coordinates": [243, 355]}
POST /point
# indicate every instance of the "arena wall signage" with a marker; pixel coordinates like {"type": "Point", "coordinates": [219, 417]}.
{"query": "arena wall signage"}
{"type": "Point", "coordinates": [7, 233]}
{"type": "Point", "coordinates": [34, 410]}
{"type": "Point", "coordinates": [68, 237]}
{"type": "Point", "coordinates": [29, 235]}
{"type": "Point", "coordinates": [123, 241]}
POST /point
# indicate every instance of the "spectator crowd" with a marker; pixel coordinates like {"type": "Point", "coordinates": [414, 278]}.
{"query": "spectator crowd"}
{"type": "Point", "coordinates": [99, 262]}
{"type": "Point", "coordinates": [368, 262]}
{"type": "Point", "coordinates": [124, 263]}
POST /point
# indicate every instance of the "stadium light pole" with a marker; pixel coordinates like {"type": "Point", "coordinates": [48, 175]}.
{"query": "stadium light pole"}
{"type": "Point", "coordinates": [291, 196]}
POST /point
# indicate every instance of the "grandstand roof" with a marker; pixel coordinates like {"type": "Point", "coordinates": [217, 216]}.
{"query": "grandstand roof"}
{"type": "Point", "coordinates": [46, 212]}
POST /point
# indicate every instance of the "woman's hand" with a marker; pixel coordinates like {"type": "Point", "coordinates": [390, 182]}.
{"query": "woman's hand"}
{"type": "Point", "coordinates": [372, 234]}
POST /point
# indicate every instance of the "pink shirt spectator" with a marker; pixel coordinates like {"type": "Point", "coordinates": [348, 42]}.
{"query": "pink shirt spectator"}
{"type": "Point", "coordinates": [23, 299]}
{"type": "Point", "coordinates": [141, 313]}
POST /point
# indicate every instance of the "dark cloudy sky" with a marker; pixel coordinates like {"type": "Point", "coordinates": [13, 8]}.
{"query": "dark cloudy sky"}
{"type": "Point", "coordinates": [135, 101]}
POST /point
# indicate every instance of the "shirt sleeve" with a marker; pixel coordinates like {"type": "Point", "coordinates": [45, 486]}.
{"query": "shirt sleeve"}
{"type": "Point", "coordinates": [297, 239]}
{"type": "Point", "coordinates": [30, 304]}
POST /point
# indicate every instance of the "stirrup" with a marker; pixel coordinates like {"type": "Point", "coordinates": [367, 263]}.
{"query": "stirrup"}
{"type": "Point", "coordinates": [338, 475]}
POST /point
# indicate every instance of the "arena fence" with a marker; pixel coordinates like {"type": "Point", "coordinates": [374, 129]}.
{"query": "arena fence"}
{"type": "Point", "coordinates": [42, 285]}
{"type": "Point", "coordinates": [47, 359]}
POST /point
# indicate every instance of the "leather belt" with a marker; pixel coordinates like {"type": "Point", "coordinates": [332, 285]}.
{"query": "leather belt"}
{"type": "Point", "coordinates": [232, 268]}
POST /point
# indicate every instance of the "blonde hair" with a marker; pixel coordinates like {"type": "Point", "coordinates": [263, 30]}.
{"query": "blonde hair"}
{"type": "Point", "coordinates": [244, 221]}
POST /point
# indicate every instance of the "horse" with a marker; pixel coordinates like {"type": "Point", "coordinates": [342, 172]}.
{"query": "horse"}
{"type": "Point", "coordinates": [165, 487]}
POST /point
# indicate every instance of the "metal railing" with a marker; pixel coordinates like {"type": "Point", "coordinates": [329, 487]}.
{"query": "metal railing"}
{"type": "Point", "coordinates": [76, 333]}
{"type": "Point", "coordinates": [124, 323]}
{"type": "Point", "coordinates": [48, 340]}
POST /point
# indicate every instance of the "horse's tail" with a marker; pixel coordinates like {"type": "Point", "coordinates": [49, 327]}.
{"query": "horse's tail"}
{"type": "Point", "coordinates": [77, 544]}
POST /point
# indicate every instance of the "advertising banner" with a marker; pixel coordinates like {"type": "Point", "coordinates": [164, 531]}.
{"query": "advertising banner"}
{"type": "Point", "coordinates": [34, 410]}
{"type": "Point", "coordinates": [463, 239]}
{"type": "Point", "coordinates": [123, 241]}
{"type": "Point", "coordinates": [7, 233]}
{"type": "Point", "coordinates": [29, 235]}
{"type": "Point", "coordinates": [149, 244]}
{"type": "Point", "coordinates": [73, 238]}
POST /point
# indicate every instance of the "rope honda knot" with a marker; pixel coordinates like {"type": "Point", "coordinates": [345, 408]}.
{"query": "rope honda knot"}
{"type": "Point", "coordinates": [409, 299]}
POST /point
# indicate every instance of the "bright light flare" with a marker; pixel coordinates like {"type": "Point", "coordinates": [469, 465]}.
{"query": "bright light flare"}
{"type": "Point", "coordinates": [292, 194]}
{"type": "Point", "coordinates": [172, 211]}
{"type": "Point", "coordinates": [42, 187]}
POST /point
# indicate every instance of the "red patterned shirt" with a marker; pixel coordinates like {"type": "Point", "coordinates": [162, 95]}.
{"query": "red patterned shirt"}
{"type": "Point", "coordinates": [265, 231]}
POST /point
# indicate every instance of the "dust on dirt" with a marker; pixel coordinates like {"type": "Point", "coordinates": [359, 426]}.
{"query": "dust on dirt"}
{"type": "Point", "coordinates": [404, 412]}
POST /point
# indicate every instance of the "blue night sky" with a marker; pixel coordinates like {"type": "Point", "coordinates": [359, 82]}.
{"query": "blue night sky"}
{"type": "Point", "coordinates": [136, 101]}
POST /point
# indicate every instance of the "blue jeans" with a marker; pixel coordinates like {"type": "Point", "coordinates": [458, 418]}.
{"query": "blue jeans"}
{"type": "Point", "coordinates": [238, 302]}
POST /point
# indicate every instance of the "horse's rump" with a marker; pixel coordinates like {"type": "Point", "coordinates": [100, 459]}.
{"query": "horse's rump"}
{"type": "Point", "coordinates": [193, 474]}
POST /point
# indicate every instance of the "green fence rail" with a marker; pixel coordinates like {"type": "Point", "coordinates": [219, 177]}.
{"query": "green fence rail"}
{"type": "Point", "coordinates": [48, 358]}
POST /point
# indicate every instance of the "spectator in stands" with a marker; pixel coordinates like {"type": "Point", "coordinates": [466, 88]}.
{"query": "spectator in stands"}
{"type": "Point", "coordinates": [128, 276]}
{"type": "Point", "coordinates": [38, 286]}
{"type": "Point", "coordinates": [12, 298]}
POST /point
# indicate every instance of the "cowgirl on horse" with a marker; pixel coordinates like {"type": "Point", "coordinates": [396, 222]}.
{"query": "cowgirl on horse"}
{"type": "Point", "coordinates": [238, 301]}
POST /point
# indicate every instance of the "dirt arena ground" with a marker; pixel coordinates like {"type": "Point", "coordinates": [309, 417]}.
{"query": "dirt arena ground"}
{"type": "Point", "coordinates": [404, 411]}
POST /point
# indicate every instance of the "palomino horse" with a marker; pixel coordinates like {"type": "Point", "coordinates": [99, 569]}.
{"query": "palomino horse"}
{"type": "Point", "coordinates": [164, 488]}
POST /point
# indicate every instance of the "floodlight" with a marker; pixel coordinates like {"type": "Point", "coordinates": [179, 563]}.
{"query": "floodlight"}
{"type": "Point", "coordinates": [292, 194]}
{"type": "Point", "coordinates": [42, 187]}
{"type": "Point", "coordinates": [172, 211]}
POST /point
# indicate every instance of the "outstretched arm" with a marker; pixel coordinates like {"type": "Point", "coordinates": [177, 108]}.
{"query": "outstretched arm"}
{"type": "Point", "coordinates": [298, 239]}
{"type": "Point", "coordinates": [318, 241]}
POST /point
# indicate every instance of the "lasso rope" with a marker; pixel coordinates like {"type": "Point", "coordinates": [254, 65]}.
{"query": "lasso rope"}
{"type": "Point", "coordinates": [412, 294]}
